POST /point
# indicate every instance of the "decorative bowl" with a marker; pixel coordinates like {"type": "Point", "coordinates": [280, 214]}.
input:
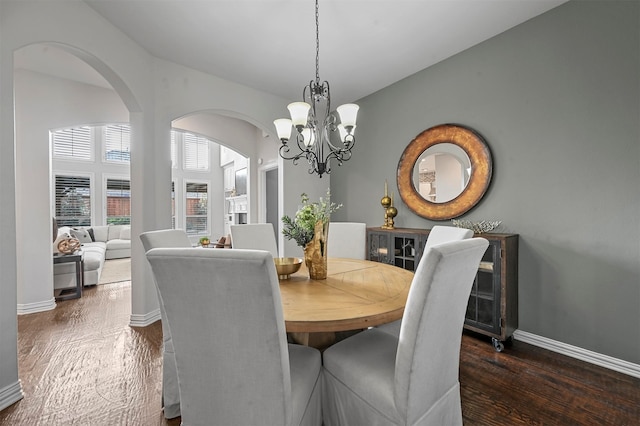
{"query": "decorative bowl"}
{"type": "Point", "coordinates": [287, 266]}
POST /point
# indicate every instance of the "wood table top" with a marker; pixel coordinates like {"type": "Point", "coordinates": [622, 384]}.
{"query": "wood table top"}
{"type": "Point", "coordinates": [356, 294]}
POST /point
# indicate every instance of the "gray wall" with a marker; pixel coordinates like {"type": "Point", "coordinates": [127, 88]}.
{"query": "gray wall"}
{"type": "Point", "coordinates": [557, 98]}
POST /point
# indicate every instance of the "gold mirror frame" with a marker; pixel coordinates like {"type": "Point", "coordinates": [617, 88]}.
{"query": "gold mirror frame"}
{"type": "Point", "coordinates": [479, 154]}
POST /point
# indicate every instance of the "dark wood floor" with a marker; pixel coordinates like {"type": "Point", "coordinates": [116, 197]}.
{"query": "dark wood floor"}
{"type": "Point", "coordinates": [81, 364]}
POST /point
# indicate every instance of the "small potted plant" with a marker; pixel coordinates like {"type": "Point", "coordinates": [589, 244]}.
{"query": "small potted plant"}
{"type": "Point", "coordinates": [205, 241]}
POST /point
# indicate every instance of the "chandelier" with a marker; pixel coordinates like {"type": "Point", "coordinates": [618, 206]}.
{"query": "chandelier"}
{"type": "Point", "coordinates": [315, 123]}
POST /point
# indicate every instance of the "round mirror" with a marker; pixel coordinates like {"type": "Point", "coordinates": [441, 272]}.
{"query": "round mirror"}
{"type": "Point", "coordinates": [441, 173]}
{"type": "Point", "coordinates": [444, 171]}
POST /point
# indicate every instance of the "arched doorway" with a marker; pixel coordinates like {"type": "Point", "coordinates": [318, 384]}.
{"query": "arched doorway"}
{"type": "Point", "coordinates": [243, 152]}
{"type": "Point", "coordinates": [55, 88]}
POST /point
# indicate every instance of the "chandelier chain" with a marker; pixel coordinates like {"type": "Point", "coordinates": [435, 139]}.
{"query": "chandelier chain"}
{"type": "Point", "coordinates": [317, 45]}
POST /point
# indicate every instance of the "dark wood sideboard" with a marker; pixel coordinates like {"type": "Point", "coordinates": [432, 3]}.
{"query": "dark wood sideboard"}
{"type": "Point", "coordinates": [493, 304]}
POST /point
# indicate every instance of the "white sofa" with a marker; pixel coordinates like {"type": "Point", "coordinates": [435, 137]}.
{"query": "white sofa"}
{"type": "Point", "coordinates": [99, 243]}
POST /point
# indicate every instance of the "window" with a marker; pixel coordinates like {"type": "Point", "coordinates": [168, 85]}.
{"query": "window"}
{"type": "Point", "coordinates": [196, 152]}
{"type": "Point", "coordinates": [105, 153]}
{"type": "Point", "coordinates": [118, 202]}
{"type": "Point", "coordinates": [117, 143]}
{"type": "Point", "coordinates": [196, 207]}
{"type": "Point", "coordinates": [73, 200]}
{"type": "Point", "coordinates": [73, 144]}
{"type": "Point", "coordinates": [79, 143]}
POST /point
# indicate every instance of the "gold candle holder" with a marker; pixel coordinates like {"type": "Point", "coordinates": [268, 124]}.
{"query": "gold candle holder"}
{"type": "Point", "coordinates": [389, 211]}
{"type": "Point", "coordinates": [386, 203]}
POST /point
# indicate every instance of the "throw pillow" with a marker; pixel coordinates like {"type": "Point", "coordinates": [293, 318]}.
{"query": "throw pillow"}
{"type": "Point", "coordinates": [101, 233]}
{"type": "Point", "coordinates": [90, 231]}
{"type": "Point", "coordinates": [125, 232]}
{"type": "Point", "coordinates": [81, 234]}
{"type": "Point", "coordinates": [114, 232]}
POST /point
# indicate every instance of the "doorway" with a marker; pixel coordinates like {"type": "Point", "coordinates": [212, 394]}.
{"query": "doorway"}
{"type": "Point", "coordinates": [268, 211]}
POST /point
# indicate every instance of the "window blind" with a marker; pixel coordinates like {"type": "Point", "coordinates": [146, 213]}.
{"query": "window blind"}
{"type": "Point", "coordinates": [196, 152]}
{"type": "Point", "coordinates": [117, 143]}
{"type": "Point", "coordinates": [75, 143]}
{"type": "Point", "coordinates": [73, 200]}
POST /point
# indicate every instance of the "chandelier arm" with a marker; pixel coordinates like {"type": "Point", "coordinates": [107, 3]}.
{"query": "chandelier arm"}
{"type": "Point", "coordinates": [345, 156]}
{"type": "Point", "coordinates": [326, 92]}
{"type": "Point", "coordinates": [326, 133]}
{"type": "Point", "coordinates": [319, 144]}
{"type": "Point", "coordinates": [301, 145]}
{"type": "Point", "coordinates": [348, 143]}
{"type": "Point", "coordinates": [313, 161]}
{"type": "Point", "coordinates": [284, 149]}
{"type": "Point", "coordinates": [310, 88]}
{"type": "Point", "coordinates": [332, 147]}
{"type": "Point", "coordinates": [338, 155]}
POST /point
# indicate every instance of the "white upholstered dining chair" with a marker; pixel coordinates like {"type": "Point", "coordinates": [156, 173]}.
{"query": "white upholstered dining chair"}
{"type": "Point", "coordinates": [347, 239]}
{"type": "Point", "coordinates": [255, 236]}
{"type": "Point", "coordinates": [375, 378]}
{"type": "Point", "coordinates": [445, 234]}
{"type": "Point", "coordinates": [437, 235]}
{"type": "Point", "coordinates": [227, 324]}
{"type": "Point", "coordinates": [170, 392]}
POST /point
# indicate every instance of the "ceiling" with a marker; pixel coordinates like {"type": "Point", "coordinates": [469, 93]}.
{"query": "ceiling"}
{"type": "Point", "coordinates": [365, 45]}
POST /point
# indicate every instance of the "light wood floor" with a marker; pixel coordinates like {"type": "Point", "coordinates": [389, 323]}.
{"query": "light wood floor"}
{"type": "Point", "coordinates": [81, 364]}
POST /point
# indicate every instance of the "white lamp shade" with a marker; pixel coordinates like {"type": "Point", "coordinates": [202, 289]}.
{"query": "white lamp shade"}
{"type": "Point", "coordinates": [343, 132]}
{"type": "Point", "coordinates": [299, 113]}
{"type": "Point", "coordinates": [283, 128]}
{"type": "Point", "coordinates": [348, 114]}
{"type": "Point", "coordinates": [309, 136]}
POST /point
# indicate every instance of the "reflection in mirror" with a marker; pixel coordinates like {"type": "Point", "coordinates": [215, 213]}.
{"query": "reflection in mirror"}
{"type": "Point", "coordinates": [442, 172]}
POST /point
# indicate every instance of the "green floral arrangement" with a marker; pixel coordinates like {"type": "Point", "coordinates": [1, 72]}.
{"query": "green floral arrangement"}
{"type": "Point", "coordinates": [301, 227]}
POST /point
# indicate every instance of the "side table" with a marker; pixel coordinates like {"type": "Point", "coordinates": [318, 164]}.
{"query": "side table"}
{"type": "Point", "coordinates": [71, 292]}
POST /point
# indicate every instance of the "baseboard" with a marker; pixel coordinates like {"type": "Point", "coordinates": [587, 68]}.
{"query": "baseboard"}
{"type": "Point", "coordinates": [596, 358]}
{"type": "Point", "coordinates": [10, 395]}
{"type": "Point", "coordinates": [144, 320]}
{"type": "Point", "coordinates": [32, 308]}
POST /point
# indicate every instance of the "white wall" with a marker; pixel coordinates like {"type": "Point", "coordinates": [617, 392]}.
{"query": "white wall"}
{"type": "Point", "coordinates": [154, 92]}
{"type": "Point", "coordinates": [10, 389]}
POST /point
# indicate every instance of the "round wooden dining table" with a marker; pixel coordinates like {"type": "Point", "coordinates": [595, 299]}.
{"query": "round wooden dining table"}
{"type": "Point", "coordinates": [356, 294]}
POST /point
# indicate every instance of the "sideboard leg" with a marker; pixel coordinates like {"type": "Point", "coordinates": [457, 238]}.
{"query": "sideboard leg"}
{"type": "Point", "coordinates": [497, 344]}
